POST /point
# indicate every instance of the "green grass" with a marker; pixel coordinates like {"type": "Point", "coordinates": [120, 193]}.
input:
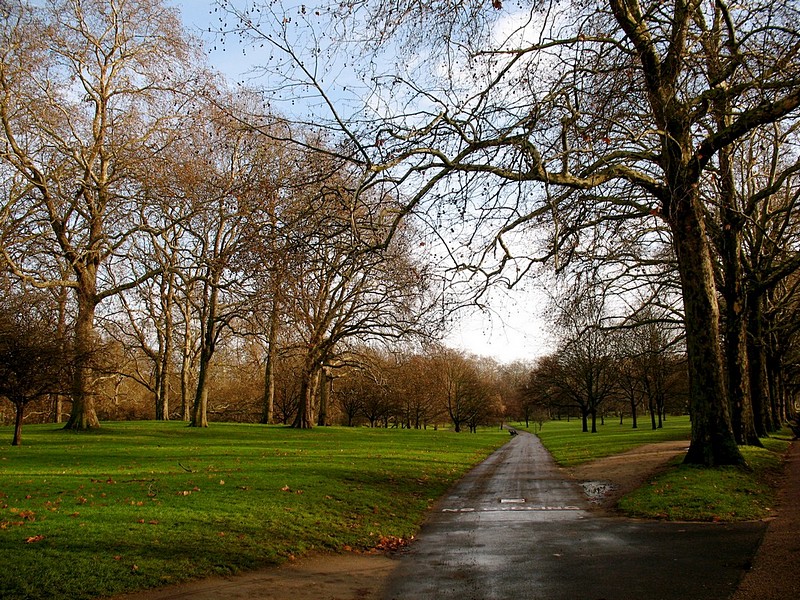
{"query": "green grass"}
{"type": "Point", "coordinates": [570, 446]}
{"type": "Point", "coordinates": [690, 493]}
{"type": "Point", "coordinates": [137, 505]}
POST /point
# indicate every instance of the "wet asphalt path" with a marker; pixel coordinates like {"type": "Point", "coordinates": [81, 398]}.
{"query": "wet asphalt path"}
{"type": "Point", "coordinates": [515, 528]}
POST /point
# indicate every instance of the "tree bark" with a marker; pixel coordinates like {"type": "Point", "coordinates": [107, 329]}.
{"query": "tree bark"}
{"type": "Point", "coordinates": [186, 363]}
{"type": "Point", "coordinates": [18, 417]}
{"type": "Point", "coordinates": [83, 415]}
{"type": "Point", "coordinates": [304, 419]}
{"type": "Point", "coordinates": [757, 362]}
{"type": "Point", "coordinates": [268, 410]}
{"type": "Point", "coordinates": [165, 351]}
{"type": "Point", "coordinates": [324, 389]}
{"type": "Point", "coordinates": [712, 436]}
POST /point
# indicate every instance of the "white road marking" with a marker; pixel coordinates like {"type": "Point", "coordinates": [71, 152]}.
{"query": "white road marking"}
{"type": "Point", "coordinates": [525, 508]}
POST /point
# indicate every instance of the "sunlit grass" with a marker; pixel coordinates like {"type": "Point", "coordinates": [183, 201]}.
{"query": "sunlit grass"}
{"type": "Point", "coordinates": [136, 505]}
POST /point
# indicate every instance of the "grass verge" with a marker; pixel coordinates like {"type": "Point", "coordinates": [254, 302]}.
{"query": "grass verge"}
{"type": "Point", "coordinates": [138, 505]}
{"type": "Point", "coordinates": [691, 493]}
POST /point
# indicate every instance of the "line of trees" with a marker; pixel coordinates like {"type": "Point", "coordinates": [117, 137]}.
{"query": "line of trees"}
{"type": "Point", "coordinates": [160, 220]}
{"type": "Point", "coordinates": [172, 227]}
{"type": "Point", "coordinates": [541, 132]}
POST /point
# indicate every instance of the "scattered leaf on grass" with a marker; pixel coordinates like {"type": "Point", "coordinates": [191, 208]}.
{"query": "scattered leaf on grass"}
{"type": "Point", "coordinates": [33, 539]}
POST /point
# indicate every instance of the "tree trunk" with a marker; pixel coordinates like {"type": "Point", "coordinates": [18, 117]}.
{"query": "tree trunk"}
{"type": "Point", "coordinates": [58, 407]}
{"type": "Point", "coordinates": [18, 417]}
{"type": "Point", "coordinates": [268, 409]}
{"type": "Point", "coordinates": [324, 395]}
{"type": "Point", "coordinates": [757, 362]}
{"type": "Point", "coordinates": [207, 347]}
{"type": "Point", "coordinates": [304, 419]}
{"type": "Point", "coordinates": [712, 437]}
{"type": "Point", "coordinates": [83, 415]}
{"type": "Point", "coordinates": [200, 405]}
{"type": "Point", "coordinates": [735, 338]}
{"type": "Point", "coordinates": [165, 354]}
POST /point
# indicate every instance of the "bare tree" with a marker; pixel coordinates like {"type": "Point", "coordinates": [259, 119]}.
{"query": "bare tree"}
{"type": "Point", "coordinates": [87, 91]}
{"type": "Point", "coordinates": [34, 360]}
{"type": "Point", "coordinates": [615, 112]}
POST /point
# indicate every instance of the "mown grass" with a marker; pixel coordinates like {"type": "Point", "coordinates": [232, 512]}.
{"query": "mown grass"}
{"type": "Point", "coordinates": [570, 446]}
{"type": "Point", "coordinates": [136, 505]}
{"type": "Point", "coordinates": [681, 492]}
{"type": "Point", "coordinates": [691, 493]}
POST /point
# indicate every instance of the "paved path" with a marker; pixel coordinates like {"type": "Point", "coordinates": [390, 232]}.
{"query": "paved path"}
{"type": "Point", "coordinates": [515, 528]}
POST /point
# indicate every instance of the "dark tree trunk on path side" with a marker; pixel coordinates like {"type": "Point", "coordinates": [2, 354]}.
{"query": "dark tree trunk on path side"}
{"type": "Point", "coordinates": [712, 440]}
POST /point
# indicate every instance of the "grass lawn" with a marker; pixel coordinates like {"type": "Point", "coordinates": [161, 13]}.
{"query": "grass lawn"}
{"type": "Point", "coordinates": [570, 446]}
{"type": "Point", "coordinates": [691, 493]}
{"type": "Point", "coordinates": [142, 504]}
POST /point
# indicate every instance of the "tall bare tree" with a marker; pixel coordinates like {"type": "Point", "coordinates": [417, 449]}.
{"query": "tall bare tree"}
{"type": "Point", "coordinates": [88, 93]}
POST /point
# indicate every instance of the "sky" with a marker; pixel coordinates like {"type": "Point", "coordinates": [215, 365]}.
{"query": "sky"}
{"type": "Point", "coordinates": [512, 329]}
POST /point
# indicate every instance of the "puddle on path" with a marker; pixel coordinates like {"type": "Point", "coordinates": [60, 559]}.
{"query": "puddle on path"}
{"type": "Point", "coordinates": [596, 491]}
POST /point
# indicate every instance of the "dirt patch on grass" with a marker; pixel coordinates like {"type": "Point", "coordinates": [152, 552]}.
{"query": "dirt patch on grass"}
{"type": "Point", "coordinates": [606, 480]}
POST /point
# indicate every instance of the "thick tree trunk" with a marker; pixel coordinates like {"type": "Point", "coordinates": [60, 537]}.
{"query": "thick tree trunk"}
{"type": "Point", "coordinates": [200, 407]}
{"type": "Point", "coordinates": [58, 407]}
{"type": "Point", "coordinates": [735, 321]}
{"type": "Point", "coordinates": [200, 404]}
{"type": "Point", "coordinates": [165, 359]}
{"type": "Point", "coordinates": [324, 395]}
{"type": "Point", "coordinates": [83, 415]}
{"type": "Point", "coordinates": [712, 436]}
{"type": "Point", "coordinates": [304, 419]}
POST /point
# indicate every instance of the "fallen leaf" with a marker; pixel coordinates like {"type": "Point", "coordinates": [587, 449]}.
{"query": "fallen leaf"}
{"type": "Point", "coordinates": [34, 539]}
